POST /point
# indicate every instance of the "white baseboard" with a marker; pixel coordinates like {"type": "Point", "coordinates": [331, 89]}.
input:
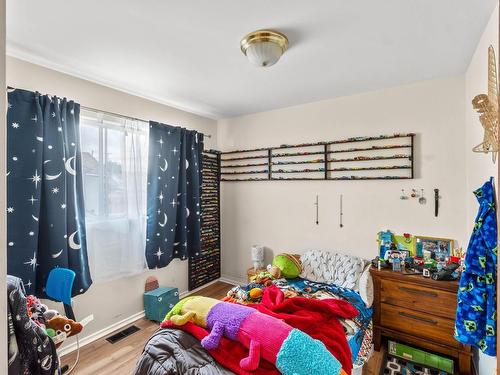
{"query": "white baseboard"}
{"type": "Point", "coordinates": [66, 349]}
{"type": "Point", "coordinates": [233, 281]}
{"type": "Point", "coordinates": [71, 347]}
{"type": "Point", "coordinates": [189, 292]}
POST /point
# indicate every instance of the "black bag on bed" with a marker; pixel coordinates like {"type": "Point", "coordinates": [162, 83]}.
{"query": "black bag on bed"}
{"type": "Point", "coordinates": [172, 351]}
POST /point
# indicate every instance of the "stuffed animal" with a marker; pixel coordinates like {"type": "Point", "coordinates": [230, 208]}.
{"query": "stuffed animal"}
{"type": "Point", "coordinates": [262, 278]}
{"type": "Point", "coordinates": [61, 324]}
{"type": "Point", "coordinates": [274, 271]}
{"type": "Point", "coordinates": [289, 265]}
{"type": "Point", "coordinates": [49, 314]}
{"type": "Point", "coordinates": [255, 293]}
{"type": "Point", "coordinates": [291, 350]}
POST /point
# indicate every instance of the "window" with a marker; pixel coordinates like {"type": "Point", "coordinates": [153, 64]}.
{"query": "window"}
{"type": "Point", "coordinates": [114, 163]}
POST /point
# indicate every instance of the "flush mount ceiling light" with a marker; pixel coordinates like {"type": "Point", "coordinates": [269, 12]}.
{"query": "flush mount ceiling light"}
{"type": "Point", "coordinates": [264, 47]}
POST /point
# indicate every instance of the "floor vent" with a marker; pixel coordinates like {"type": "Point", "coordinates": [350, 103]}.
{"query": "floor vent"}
{"type": "Point", "coordinates": [122, 334]}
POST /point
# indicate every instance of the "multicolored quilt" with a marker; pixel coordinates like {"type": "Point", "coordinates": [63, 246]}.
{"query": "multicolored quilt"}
{"type": "Point", "coordinates": [358, 331]}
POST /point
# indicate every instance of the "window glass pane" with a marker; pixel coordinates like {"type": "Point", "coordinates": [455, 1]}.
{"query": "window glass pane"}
{"type": "Point", "coordinates": [115, 178]}
{"type": "Point", "coordinates": [90, 166]}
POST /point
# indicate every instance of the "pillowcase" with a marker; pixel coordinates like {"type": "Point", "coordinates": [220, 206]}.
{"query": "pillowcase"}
{"type": "Point", "coordinates": [339, 269]}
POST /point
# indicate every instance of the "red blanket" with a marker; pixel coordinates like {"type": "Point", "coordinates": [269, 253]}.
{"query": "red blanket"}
{"type": "Point", "coordinates": [317, 318]}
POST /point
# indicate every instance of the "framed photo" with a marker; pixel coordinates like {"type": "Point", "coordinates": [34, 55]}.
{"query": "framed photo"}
{"type": "Point", "coordinates": [440, 247]}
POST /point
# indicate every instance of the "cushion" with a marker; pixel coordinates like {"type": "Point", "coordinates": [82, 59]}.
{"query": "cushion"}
{"type": "Point", "coordinates": [316, 266]}
{"type": "Point", "coordinates": [366, 286]}
{"type": "Point", "coordinates": [339, 269]}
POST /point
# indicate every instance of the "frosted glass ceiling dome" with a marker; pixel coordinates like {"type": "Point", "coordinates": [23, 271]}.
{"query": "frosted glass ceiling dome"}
{"type": "Point", "coordinates": [264, 47]}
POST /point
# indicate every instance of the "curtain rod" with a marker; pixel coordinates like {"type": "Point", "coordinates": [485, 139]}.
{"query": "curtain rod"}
{"type": "Point", "coordinates": [124, 116]}
{"type": "Point", "coordinates": [112, 113]}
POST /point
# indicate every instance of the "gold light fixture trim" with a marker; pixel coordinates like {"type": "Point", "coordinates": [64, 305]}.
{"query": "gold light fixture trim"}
{"type": "Point", "coordinates": [264, 35]}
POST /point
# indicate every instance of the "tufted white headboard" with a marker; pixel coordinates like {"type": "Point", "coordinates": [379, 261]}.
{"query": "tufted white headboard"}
{"type": "Point", "coordinates": [339, 269]}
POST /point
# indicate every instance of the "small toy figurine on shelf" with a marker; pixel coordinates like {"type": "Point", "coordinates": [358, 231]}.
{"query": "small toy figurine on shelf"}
{"type": "Point", "coordinates": [396, 262]}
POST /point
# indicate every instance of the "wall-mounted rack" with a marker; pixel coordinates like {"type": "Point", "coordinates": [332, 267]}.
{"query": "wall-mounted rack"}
{"type": "Point", "coordinates": [367, 159]}
{"type": "Point", "coordinates": [206, 267]}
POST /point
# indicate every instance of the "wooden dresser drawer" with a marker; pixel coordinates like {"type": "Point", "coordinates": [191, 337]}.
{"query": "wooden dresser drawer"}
{"type": "Point", "coordinates": [415, 297]}
{"type": "Point", "coordinates": [418, 324]}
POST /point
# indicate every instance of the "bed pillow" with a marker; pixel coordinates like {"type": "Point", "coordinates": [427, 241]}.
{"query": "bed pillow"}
{"type": "Point", "coordinates": [339, 269]}
{"type": "Point", "coordinates": [366, 286]}
{"type": "Point", "coordinates": [316, 266]}
{"type": "Point", "coordinates": [347, 270]}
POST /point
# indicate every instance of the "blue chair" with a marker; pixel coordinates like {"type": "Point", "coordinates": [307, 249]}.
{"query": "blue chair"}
{"type": "Point", "coordinates": [58, 288]}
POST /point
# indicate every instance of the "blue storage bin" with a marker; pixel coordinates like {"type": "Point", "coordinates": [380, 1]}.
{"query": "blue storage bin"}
{"type": "Point", "coordinates": [158, 302]}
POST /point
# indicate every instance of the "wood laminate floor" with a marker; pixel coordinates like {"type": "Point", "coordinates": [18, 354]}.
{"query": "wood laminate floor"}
{"type": "Point", "coordinates": [103, 358]}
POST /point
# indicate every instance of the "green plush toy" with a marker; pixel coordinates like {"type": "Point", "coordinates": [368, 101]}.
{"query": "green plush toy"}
{"type": "Point", "coordinates": [289, 265]}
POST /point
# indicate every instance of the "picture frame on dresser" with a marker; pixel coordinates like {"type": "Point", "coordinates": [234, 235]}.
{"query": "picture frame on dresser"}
{"type": "Point", "coordinates": [440, 247]}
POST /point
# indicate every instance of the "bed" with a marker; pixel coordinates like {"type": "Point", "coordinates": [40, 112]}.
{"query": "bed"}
{"type": "Point", "coordinates": [325, 275]}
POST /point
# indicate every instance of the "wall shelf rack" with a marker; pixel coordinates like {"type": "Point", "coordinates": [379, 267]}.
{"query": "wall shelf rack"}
{"type": "Point", "coordinates": [384, 157]}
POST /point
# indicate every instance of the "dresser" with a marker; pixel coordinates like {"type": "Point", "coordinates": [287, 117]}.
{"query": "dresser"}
{"type": "Point", "coordinates": [420, 312]}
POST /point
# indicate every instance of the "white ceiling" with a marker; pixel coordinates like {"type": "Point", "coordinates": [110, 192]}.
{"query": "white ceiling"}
{"type": "Point", "coordinates": [186, 53]}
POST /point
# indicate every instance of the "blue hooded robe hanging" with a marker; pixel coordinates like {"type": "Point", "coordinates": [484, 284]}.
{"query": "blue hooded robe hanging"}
{"type": "Point", "coordinates": [174, 192]}
{"type": "Point", "coordinates": [45, 210]}
{"type": "Point", "coordinates": [476, 321]}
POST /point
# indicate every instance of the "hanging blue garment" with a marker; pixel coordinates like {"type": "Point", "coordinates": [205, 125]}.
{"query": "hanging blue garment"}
{"type": "Point", "coordinates": [476, 318]}
{"type": "Point", "coordinates": [45, 210]}
{"type": "Point", "coordinates": [174, 192]}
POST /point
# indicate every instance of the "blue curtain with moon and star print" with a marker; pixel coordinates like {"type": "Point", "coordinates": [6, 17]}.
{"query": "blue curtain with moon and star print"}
{"type": "Point", "coordinates": [45, 209]}
{"type": "Point", "coordinates": [174, 192]}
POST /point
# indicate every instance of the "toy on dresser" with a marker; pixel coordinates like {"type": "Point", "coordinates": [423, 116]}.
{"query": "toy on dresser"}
{"type": "Point", "coordinates": [265, 336]}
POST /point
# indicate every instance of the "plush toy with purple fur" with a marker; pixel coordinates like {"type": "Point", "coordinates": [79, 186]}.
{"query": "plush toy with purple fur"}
{"type": "Point", "coordinates": [291, 350]}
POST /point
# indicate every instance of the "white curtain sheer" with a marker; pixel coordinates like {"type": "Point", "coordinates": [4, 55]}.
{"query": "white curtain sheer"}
{"type": "Point", "coordinates": [116, 184]}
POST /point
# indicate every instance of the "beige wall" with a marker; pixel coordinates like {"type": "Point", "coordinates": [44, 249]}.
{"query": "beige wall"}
{"type": "Point", "coordinates": [113, 301]}
{"type": "Point", "coordinates": [281, 215]}
{"type": "Point", "coordinates": [479, 167]}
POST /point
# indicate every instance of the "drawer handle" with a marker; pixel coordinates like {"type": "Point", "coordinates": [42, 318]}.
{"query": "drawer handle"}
{"type": "Point", "coordinates": [419, 292]}
{"type": "Point", "coordinates": [415, 317]}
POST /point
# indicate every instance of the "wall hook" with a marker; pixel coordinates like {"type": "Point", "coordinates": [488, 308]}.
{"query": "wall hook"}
{"type": "Point", "coordinates": [341, 212]}
{"type": "Point", "coordinates": [317, 209]}
{"type": "Point", "coordinates": [436, 202]}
